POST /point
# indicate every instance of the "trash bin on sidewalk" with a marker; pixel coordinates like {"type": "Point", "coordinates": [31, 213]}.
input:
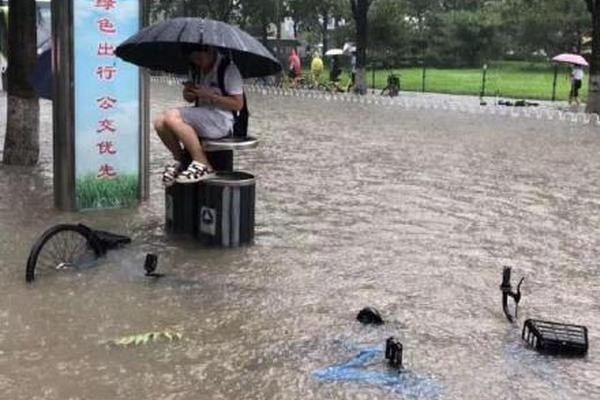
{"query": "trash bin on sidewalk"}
{"type": "Point", "coordinates": [180, 209]}
{"type": "Point", "coordinates": [220, 210]}
{"type": "Point", "coordinates": [225, 215]}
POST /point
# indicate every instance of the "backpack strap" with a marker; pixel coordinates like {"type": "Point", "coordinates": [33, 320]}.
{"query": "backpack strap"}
{"type": "Point", "coordinates": [243, 114]}
{"type": "Point", "coordinates": [223, 65]}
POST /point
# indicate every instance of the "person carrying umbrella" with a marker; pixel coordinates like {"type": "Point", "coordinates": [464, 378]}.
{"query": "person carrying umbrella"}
{"type": "Point", "coordinates": [577, 64]}
{"type": "Point", "coordinates": [577, 75]}
{"type": "Point", "coordinates": [210, 117]}
{"type": "Point", "coordinates": [216, 56]}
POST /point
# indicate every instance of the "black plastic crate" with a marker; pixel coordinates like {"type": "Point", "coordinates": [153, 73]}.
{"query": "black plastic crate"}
{"type": "Point", "coordinates": [556, 338]}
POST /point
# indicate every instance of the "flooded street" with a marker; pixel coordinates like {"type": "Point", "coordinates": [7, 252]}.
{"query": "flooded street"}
{"type": "Point", "coordinates": [413, 212]}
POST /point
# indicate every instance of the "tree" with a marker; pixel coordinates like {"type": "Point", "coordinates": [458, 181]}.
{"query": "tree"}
{"type": "Point", "coordinates": [390, 33]}
{"type": "Point", "coordinates": [594, 90]}
{"type": "Point", "coordinates": [360, 11]}
{"type": "Point", "coordinates": [21, 145]}
{"type": "Point", "coordinates": [463, 38]}
{"type": "Point", "coordinates": [3, 31]}
{"type": "Point", "coordinates": [546, 26]}
{"type": "Point", "coordinates": [260, 13]}
{"type": "Point", "coordinates": [221, 10]}
{"type": "Point", "coordinates": [316, 14]}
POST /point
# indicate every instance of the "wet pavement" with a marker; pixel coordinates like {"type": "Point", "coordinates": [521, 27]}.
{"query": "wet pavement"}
{"type": "Point", "coordinates": [413, 212]}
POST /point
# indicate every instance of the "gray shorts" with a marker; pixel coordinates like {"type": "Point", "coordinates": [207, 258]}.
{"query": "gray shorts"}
{"type": "Point", "coordinates": [208, 123]}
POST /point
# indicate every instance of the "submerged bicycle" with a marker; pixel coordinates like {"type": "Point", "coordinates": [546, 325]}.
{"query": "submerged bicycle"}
{"type": "Point", "coordinates": [393, 86]}
{"type": "Point", "coordinates": [69, 246]}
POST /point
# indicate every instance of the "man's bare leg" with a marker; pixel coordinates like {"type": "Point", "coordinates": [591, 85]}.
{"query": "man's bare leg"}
{"type": "Point", "coordinates": [186, 135]}
{"type": "Point", "coordinates": [169, 138]}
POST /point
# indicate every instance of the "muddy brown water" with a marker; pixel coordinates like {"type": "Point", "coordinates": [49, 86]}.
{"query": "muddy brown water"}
{"type": "Point", "coordinates": [413, 212]}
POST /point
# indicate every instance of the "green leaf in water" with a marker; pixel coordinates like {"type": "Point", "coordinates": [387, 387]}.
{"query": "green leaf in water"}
{"type": "Point", "coordinates": [145, 338]}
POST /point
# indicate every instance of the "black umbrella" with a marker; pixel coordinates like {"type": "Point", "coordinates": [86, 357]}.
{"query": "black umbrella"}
{"type": "Point", "coordinates": [163, 46]}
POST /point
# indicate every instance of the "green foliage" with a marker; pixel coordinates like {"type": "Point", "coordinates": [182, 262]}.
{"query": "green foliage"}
{"type": "Point", "coordinates": [551, 26]}
{"type": "Point", "coordinates": [4, 31]}
{"type": "Point", "coordinates": [462, 38]}
{"type": "Point", "coordinates": [223, 10]}
{"type": "Point", "coordinates": [94, 193]}
{"type": "Point", "coordinates": [450, 33]}
{"type": "Point", "coordinates": [389, 32]}
{"type": "Point", "coordinates": [145, 338]}
{"type": "Point", "coordinates": [518, 80]}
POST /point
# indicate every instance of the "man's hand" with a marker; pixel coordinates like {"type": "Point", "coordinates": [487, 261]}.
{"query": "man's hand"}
{"type": "Point", "coordinates": [202, 93]}
{"type": "Point", "coordinates": [188, 94]}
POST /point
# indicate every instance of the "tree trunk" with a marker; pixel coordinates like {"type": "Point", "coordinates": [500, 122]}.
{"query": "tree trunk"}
{"type": "Point", "coordinates": [325, 36]}
{"type": "Point", "coordinates": [360, 9]}
{"type": "Point", "coordinates": [593, 105]}
{"type": "Point", "coordinates": [336, 25]}
{"type": "Point", "coordinates": [278, 27]}
{"type": "Point", "coordinates": [265, 32]}
{"type": "Point", "coordinates": [21, 145]}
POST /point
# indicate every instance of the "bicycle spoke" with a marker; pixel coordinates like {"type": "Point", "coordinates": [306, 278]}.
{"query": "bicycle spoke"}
{"type": "Point", "coordinates": [66, 249]}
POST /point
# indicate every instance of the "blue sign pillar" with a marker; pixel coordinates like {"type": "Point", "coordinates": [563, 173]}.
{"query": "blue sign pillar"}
{"type": "Point", "coordinates": [100, 106]}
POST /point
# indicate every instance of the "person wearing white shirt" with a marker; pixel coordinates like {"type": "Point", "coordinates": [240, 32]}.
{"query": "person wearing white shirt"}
{"type": "Point", "coordinates": [576, 82]}
{"type": "Point", "coordinates": [210, 115]}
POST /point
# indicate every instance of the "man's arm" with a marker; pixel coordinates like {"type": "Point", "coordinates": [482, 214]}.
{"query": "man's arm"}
{"type": "Point", "coordinates": [229, 103]}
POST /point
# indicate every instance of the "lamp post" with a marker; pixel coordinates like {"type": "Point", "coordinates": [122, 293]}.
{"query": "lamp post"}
{"type": "Point", "coordinates": [483, 81]}
{"type": "Point", "coordinates": [554, 83]}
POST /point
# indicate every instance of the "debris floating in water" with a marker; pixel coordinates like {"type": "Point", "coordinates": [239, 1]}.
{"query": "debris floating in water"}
{"type": "Point", "coordinates": [145, 338]}
{"type": "Point", "coordinates": [70, 246]}
{"type": "Point", "coordinates": [556, 338]}
{"type": "Point", "coordinates": [369, 316]}
{"type": "Point", "coordinates": [365, 368]}
{"type": "Point", "coordinates": [150, 265]}
{"type": "Point", "coordinates": [393, 352]}
{"type": "Point", "coordinates": [507, 292]}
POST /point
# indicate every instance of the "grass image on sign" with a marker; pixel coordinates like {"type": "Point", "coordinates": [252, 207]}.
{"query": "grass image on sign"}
{"type": "Point", "coordinates": [97, 193]}
{"type": "Point", "coordinates": [208, 221]}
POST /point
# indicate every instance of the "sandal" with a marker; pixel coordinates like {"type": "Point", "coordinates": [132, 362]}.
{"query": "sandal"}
{"type": "Point", "coordinates": [196, 172]}
{"type": "Point", "coordinates": [170, 174]}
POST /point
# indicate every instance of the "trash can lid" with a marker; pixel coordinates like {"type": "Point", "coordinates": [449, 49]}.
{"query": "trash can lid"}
{"type": "Point", "coordinates": [235, 178]}
{"type": "Point", "coordinates": [230, 143]}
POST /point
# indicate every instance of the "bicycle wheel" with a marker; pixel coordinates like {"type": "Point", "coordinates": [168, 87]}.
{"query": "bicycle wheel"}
{"type": "Point", "coordinates": [62, 247]}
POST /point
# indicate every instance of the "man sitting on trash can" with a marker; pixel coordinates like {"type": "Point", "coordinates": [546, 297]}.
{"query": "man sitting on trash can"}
{"type": "Point", "coordinates": [210, 116]}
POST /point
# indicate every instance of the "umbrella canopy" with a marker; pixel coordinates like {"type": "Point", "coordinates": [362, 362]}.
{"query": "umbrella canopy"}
{"type": "Point", "coordinates": [163, 46]}
{"type": "Point", "coordinates": [574, 59]}
{"type": "Point", "coordinates": [334, 52]}
{"type": "Point", "coordinates": [349, 48]}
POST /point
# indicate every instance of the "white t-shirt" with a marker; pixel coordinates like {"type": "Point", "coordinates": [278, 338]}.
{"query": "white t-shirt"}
{"type": "Point", "coordinates": [578, 73]}
{"type": "Point", "coordinates": [233, 82]}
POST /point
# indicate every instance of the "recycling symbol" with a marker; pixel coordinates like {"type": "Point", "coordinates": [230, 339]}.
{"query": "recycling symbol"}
{"type": "Point", "coordinates": [208, 221]}
{"type": "Point", "coordinates": [207, 217]}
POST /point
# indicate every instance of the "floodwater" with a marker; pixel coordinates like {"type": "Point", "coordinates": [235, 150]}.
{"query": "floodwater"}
{"type": "Point", "coordinates": [413, 212]}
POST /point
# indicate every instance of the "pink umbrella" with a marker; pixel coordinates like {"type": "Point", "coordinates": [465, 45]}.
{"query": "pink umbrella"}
{"type": "Point", "coordinates": [571, 59]}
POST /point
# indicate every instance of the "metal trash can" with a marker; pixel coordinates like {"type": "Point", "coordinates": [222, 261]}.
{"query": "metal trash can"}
{"type": "Point", "coordinates": [225, 215]}
{"type": "Point", "coordinates": [180, 209]}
